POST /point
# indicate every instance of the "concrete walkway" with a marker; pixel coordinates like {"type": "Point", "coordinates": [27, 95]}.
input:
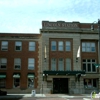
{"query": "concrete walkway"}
{"type": "Point", "coordinates": [84, 96]}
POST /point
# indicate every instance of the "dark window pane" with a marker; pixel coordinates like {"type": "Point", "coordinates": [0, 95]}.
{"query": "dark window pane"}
{"type": "Point", "coordinates": [93, 60]}
{"type": "Point", "coordinates": [90, 81]}
{"type": "Point", "coordinates": [3, 66]}
{"type": "Point", "coordinates": [94, 82]}
{"type": "Point", "coordinates": [85, 83]}
{"type": "Point", "coordinates": [89, 67]}
{"type": "Point", "coordinates": [17, 66]}
{"type": "Point", "coordinates": [17, 80]}
{"type": "Point", "coordinates": [17, 47]}
{"type": "Point", "coordinates": [84, 67]}
{"type": "Point", "coordinates": [2, 83]}
{"type": "Point", "coordinates": [93, 68]}
{"type": "Point", "coordinates": [84, 60]}
{"type": "Point", "coordinates": [88, 60]}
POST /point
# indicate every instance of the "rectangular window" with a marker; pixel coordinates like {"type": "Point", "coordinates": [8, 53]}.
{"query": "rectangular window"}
{"type": "Point", "coordinates": [31, 63]}
{"type": "Point", "coordinates": [2, 83]}
{"type": "Point", "coordinates": [53, 46]}
{"type": "Point", "coordinates": [17, 63]}
{"type": "Point", "coordinates": [60, 46]}
{"type": "Point", "coordinates": [88, 47]}
{"type": "Point", "coordinates": [61, 64]}
{"type": "Point", "coordinates": [18, 46]}
{"type": "Point", "coordinates": [88, 65]}
{"type": "Point", "coordinates": [83, 47]}
{"type": "Point", "coordinates": [31, 46]}
{"type": "Point", "coordinates": [16, 82]}
{"type": "Point", "coordinates": [30, 82]}
{"type": "Point", "coordinates": [53, 64]}
{"type": "Point", "coordinates": [68, 46]}
{"type": "Point", "coordinates": [4, 45]}
{"type": "Point", "coordinates": [3, 63]}
{"type": "Point", "coordinates": [93, 47]}
{"type": "Point", "coordinates": [84, 67]}
{"type": "Point", "coordinates": [90, 83]}
{"type": "Point", "coordinates": [68, 64]}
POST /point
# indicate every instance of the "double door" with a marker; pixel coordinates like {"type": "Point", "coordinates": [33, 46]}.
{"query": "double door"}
{"type": "Point", "coordinates": [60, 85]}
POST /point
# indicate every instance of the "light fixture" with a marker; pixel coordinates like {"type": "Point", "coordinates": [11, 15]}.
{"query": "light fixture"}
{"type": "Point", "coordinates": [96, 65]}
{"type": "Point", "coordinates": [43, 74]}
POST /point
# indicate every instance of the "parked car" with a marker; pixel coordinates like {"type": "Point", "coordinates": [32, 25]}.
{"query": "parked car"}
{"type": "Point", "coordinates": [3, 92]}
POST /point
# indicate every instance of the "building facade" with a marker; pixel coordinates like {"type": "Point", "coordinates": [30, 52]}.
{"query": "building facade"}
{"type": "Point", "coordinates": [71, 52]}
{"type": "Point", "coordinates": [61, 59]}
{"type": "Point", "coordinates": [19, 61]}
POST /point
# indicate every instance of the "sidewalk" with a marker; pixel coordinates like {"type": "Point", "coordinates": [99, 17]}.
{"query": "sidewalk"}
{"type": "Point", "coordinates": [45, 95]}
{"type": "Point", "coordinates": [21, 96]}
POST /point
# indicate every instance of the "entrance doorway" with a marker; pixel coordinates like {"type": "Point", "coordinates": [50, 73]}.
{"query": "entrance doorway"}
{"type": "Point", "coordinates": [60, 85]}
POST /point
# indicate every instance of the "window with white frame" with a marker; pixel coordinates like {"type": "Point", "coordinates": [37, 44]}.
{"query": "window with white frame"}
{"type": "Point", "coordinates": [88, 65]}
{"type": "Point", "coordinates": [31, 46]}
{"type": "Point", "coordinates": [53, 64]}
{"type": "Point", "coordinates": [16, 82]}
{"type": "Point", "coordinates": [31, 63]}
{"type": "Point", "coordinates": [68, 64]}
{"type": "Point", "coordinates": [17, 63]}
{"type": "Point", "coordinates": [2, 83]}
{"type": "Point", "coordinates": [60, 46]}
{"type": "Point", "coordinates": [4, 45]}
{"type": "Point", "coordinates": [88, 47]}
{"type": "Point", "coordinates": [53, 45]}
{"type": "Point", "coordinates": [68, 46]}
{"type": "Point", "coordinates": [18, 46]}
{"type": "Point", "coordinates": [61, 64]}
{"type": "Point", "coordinates": [3, 63]}
{"type": "Point", "coordinates": [90, 83]}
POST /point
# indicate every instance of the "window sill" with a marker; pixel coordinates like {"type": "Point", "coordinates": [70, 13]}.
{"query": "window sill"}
{"type": "Point", "coordinates": [4, 50]}
{"type": "Point", "coordinates": [30, 69]}
{"type": "Point", "coordinates": [17, 69]}
{"type": "Point", "coordinates": [3, 69]}
{"type": "Point", "coordinates": [91, 72]}
{"type": "Point", "coordinates": [90, 88]}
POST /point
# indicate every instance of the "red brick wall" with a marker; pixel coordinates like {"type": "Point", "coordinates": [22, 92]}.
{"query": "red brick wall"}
{"type": "Point", "coordinates": [24, 55]}
{"type": "Point", "coordinates": [61, 54]}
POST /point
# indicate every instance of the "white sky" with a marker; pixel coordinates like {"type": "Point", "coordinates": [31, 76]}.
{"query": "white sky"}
{"type": "Point", "coordinates": [26, 16]}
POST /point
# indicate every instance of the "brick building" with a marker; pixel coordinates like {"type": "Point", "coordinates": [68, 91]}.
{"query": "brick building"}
{"type": "Point", "coordinates": [58, 60]}
{"type": "Point", "coordinates": [19, 61]}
